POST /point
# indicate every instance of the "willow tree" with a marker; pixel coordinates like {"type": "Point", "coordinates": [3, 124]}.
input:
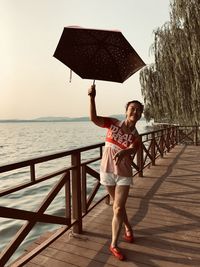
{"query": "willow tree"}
{"type": "Point", "coordinates": [171, 86]}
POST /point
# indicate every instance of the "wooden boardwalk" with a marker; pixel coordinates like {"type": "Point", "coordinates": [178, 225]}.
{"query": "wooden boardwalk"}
{"type": "Point", "coordinates": [164, 210]}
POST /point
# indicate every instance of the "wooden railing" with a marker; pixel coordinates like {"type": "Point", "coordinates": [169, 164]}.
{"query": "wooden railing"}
{"type": "Point", "coordinates": [73, 179]}
{"type": "Point", "coordinates": [189, 134]}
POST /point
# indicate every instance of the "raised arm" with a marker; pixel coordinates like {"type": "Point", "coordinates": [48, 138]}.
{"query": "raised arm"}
{"type": "Point", "coordinates": [98, 120]}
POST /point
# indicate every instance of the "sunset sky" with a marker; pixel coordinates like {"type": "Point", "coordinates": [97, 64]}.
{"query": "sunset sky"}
{"type": "Point", "coordinates": [35, 84]}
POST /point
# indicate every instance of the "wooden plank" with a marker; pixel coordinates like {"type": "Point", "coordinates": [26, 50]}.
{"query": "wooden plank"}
{"type": "Point", "coordinates": [43, 260]}
{"type": "Point", "coordinates": [30, 264]}
{"type": "Point", "coordinates": [68, 257]}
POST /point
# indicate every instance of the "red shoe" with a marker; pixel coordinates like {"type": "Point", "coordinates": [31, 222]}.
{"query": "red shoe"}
{"type": "Point", "coordinates": [117, 253]}
{"type": "Point", "coordinates": [128, 238]}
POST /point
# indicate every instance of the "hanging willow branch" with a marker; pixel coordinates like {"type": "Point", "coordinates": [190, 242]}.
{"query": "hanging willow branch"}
{"type": "Point", "coordinates": [171, 86]}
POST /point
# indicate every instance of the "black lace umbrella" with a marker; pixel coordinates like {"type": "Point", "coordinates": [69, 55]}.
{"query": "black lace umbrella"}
{"type": "Point", "coordinates": [98, 54]}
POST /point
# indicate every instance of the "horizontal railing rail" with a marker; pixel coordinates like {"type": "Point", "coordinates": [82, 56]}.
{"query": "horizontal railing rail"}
{"type": "Point", "coordinates": [78, 203]}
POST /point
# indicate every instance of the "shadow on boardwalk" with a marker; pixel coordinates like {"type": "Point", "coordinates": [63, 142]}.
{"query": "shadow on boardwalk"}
{"type": "Point", "coordinates": [163, 208]}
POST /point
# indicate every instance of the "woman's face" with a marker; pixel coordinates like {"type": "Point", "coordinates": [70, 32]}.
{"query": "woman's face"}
{"type": "Point", "coordinates": [133, 112]}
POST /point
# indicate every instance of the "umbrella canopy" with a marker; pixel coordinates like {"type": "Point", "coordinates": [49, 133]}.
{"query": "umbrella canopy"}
{"type": "Point", "coordinates": [98, 54]}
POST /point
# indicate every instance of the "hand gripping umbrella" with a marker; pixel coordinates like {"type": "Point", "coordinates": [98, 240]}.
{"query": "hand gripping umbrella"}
{"type": "Point", "coordinates": [98, 54]}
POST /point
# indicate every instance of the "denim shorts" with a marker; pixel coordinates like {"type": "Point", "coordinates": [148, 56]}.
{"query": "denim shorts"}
{"type": "Point", "coordinates": [111, 179]}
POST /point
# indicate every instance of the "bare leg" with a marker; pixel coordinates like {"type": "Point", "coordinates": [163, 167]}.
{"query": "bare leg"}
{"type": "Point", "coordinates": [119, 195]}
{"type": "Point", "coordinates": [128, 227]}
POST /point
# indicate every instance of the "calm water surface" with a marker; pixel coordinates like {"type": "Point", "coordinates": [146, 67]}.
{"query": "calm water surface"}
{"type": "Point", "coordinates": [21, 141]}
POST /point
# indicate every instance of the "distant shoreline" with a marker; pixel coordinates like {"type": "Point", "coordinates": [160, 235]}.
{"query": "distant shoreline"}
{"type": "Point", "coordinates": [58, 119]}
{"type": "Point", "coordinates": [48, 120]}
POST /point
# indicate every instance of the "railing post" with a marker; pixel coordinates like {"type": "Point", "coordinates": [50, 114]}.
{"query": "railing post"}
{"type": "Point", "coordinates": [68, 200]}
{"type": "Point", "coordinates": [168, 140]}
{"type": "Point", "coordinates": [84, 189]}
{"type": "Point", "coordinates": [153, 152]}
{"type": "Point", "coordinates": [173, 136]}
{"type": "Point", "coordinates": [32, 170]}
{"type": "Point", "coordinates": [140, 158]}
{"type": "Point", "coordinates": [196, 135]}
{"type": "Point", "coordinates": [76, 192]}
{"type": "Point", "coordinates": [170, 134]}
{"type": "Point", "coordinates": [172, 141]}
{"type": "Point", "coordinates": [162, 144]}
{"type": "Point", "coordinates": [177, 134]}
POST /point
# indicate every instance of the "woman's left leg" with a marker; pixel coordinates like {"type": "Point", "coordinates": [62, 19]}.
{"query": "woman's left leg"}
{"type": "Point", "coordinates": [127, 225]}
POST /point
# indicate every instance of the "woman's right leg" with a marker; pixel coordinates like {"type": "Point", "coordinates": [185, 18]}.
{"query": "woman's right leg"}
{"type": "Point", "coordinates": [111, 192]}
{"type": "Point", "coordinates": [119, 195]}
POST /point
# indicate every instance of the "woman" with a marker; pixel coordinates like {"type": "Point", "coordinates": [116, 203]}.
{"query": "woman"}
{"type": "Point", "coordinates": [122, 140]}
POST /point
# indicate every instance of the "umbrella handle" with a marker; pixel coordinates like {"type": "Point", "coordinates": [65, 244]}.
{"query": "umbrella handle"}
{"type": "Point", "coordinates": [94, 82]}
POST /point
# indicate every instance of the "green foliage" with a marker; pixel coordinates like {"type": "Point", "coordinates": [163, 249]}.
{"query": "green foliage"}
{"type": "Point", "coordinates": [171, 86]}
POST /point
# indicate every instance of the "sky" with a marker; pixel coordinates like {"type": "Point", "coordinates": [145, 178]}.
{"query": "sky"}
{"type": "Point", "coordinates": [35, 84]}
